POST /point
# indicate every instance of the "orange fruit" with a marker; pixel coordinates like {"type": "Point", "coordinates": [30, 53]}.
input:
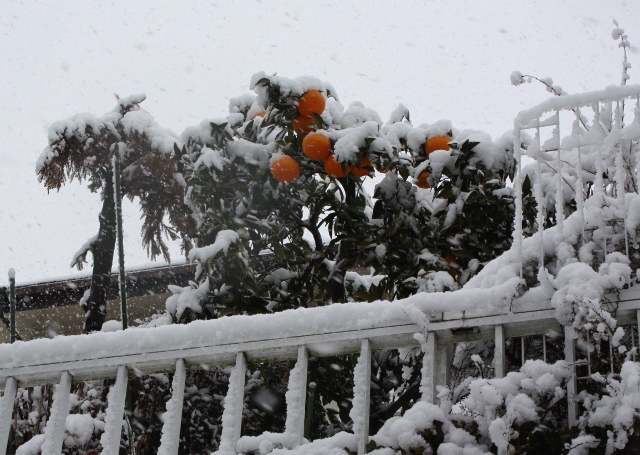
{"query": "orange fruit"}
{"type": "Point", "coordinates": [285, 169]}
{"type": "Point", "coordinates": [363, 169]}
{"type": "Point", "coordinates": [316, 146]}
{"type": "Point", "coordinates": [333, 168]}
{"type": "Point", "coordinates": [422, 180]}
{"type": "Point", "coordinates": [303, 124]}
{"type": "Point", "coordinates": [312, 102]}
{"type": "Point", "coordinates": [259, 114]}
{"type": "Point", "coordinates": [437, 143]}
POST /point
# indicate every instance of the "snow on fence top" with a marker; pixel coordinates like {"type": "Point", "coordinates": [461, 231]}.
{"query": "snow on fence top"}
{"type": "Point", "coordinates": [610, 93]}
{"type": "Point", "coordinates": [278, 330]}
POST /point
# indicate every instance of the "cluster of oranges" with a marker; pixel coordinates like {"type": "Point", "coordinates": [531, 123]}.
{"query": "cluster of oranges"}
{"type": "Point", "coordinates": [317, 146]}
{"type": "Point", "coordinates": [433, 144]}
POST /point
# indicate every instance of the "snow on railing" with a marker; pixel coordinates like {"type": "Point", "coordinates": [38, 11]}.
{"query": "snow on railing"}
{"type": "Point", "coordinates": [295, 334]}
{"type": "Point", "coordinates": [600, 141]}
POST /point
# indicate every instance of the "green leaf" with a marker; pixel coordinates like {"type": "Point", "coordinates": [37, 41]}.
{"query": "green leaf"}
{"type": "Point", "coordinates": [278, 250]}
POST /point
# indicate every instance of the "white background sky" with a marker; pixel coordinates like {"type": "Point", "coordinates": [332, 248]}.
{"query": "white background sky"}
{"type": "Point", "coordinates": [442, 59]}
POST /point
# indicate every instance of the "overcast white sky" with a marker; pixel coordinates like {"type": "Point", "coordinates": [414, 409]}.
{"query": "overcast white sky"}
{"type": "Point", "coordinates": [443, 59]}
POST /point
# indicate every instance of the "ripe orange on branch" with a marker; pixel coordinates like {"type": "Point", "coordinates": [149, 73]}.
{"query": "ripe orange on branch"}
{"type": "Point", "coordinates": [333, 168]}
{"type": "Point", "coordinates": [260, 114]}
{"type": "Point", "coordinates": [312, 102]}
{"type": "Point", "coordinates": [303, 124]}
{"type": "Point", "coordinates": [363, 169]}
{"type": "Point", "coordinates": [285, 169]}
{"type": "Point", "coordinates": [437, 143]}
{"type": "Point", "coordinates": [316, 146]}
{"type": "Point", "coordinates": [422, 180]}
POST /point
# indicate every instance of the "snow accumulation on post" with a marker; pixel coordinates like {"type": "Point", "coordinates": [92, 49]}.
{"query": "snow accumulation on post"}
{"type": "Point", "coordinates": [295, 398]}
{"type": "Point", "coordinates": [6, 411]}
{"type": "Point", "coordinates": [110, 439]}
{"type": "Point", "coordinates": [170, 440]}
{"type": "Point", "coordinates": [233, 404]}
{"type": "Point", "coordinates": [54, 432]}
{"type": "Point", "coordinates": [361, 397]}
{"type": "Point", "coordinates": [428, 383]}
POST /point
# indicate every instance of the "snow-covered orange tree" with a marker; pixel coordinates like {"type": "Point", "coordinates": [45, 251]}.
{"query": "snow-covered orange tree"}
{"type": "Point", "coordinates": [284, 220]}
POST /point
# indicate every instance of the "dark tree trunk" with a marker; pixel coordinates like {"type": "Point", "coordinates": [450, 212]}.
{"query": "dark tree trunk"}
{"type": "Point", "coordinates": [102, 251]}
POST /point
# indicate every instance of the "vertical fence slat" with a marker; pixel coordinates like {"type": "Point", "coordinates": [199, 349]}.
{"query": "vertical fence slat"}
{"type": "Point", "coordinates": [428, 384]}
{"type": "Point", "coordinates": [440, 366]}
{"type": "Point", "coordinates": [598, 188]}
{"type": "Point", "coordinates": [580, 185]}
{"type": "Point", "coordinates": [570, 357]}
{"type": "Point", "coordinates": [539, 200]}
{"type": "Point", "coordinates": [6, 412]}
{"type": "Point", "coordinates": [110, 439]}
{"type": "Point", "coordinates": [517, 232]}
{"type": "Point", "coordinates": [54, 431]}
{"type": "Point", "coordinates": [621, 177]}
{"type": "Point", "coordinates": [170, 440]}
{"type": "Point", "coordinates": [296, 399]}
{"type": "Point", "coordinates": [498, 356]}
{"type": "Point", "coordinates": [233, 404]}
{"type": "Point", "coordinates": [559, 189]}
{"type": "Point", "coordinates": [361, 397]}
{"type": "Point", "coordinates": [12, 305]}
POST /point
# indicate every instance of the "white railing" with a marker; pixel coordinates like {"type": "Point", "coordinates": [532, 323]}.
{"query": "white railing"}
{"type": "Point", "coordinates": [323, 331]}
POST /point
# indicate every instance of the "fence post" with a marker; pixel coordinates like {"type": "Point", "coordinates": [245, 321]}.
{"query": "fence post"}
{"type": "Point", "coordinates": [170, 440]}
{"type": "Point", "coordinates": [429, 379]}
{"type": "Point", "coordinates": [517, 232]}
{"type": "Point", "coordinates": [498, 354]}
{"type": "Point", "coordinates": [296, 398]}
{"type": "Point", "coordinates": [6, 412]}
{"type": "Point", "coordinates": [362, 397]}
{"type": "Point", "coordinates": [54, 431]}
{"type": "Point", "coordinates": [110, 439]}
{"type": "Point", "coordinates": [233, 404]}
{"type": "Point", "coordinates": [12, 304]}
{"type": "Point", "coordinates": [570, 357]}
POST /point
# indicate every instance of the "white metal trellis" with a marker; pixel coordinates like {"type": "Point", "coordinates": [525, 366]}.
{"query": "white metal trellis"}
{"type": "Point", "coordinates": [600, 138]}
